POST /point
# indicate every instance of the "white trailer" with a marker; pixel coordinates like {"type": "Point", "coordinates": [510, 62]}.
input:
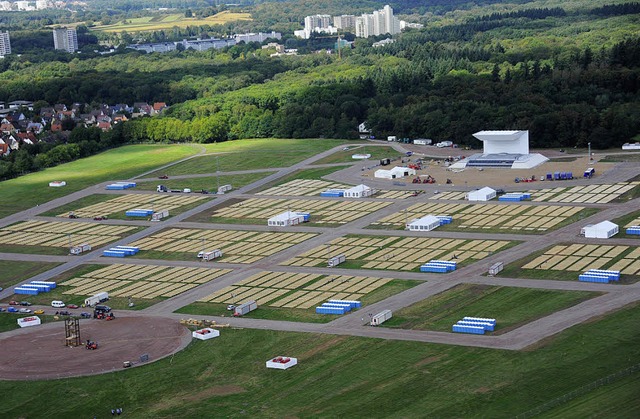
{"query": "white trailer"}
{"type": "Point", "coordinates": [422, 141]}
{"type": "Point", "coordinates": [100, 297]}
{"type": "Point", "coordinates": [381, 317]}
{"type": "Point", "coordinates": [157, 216]}
{"type": "Point", "coordinates": [81, 248]}
{"type": "Point", "coordinates": [244, 308]}
{"type": "Point", "coordinates": [214, 254]}
{"type": "Point", "coordinates": [336, 260]}
{"type": "Point", "coordinates": [496, 268]}
{"type": "Point", "coordinates": [392, 138]}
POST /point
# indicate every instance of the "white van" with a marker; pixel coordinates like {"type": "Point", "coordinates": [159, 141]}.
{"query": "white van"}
{"type": "Point", "coordinates": [57, 304]}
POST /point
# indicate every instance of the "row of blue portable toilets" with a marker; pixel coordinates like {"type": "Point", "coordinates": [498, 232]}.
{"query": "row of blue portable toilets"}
{"type": "Point", "coordinates": [474, 325]}
{"type": "Point", "coordinates": [439, 266]}
{"type": "Point", "coordinates": [635, 230]}
{"type": "Point", "coordinates": [34, 287]}
{"type": "Point", "coordinates": [139, 212]}
{"type": "Point", "coordinates": [121, 251]}
{"type": "Point", "coordinates": [514, 197]}
{"type": "Point", "coordinates": [120, 186]}
{"type": "Point", "coordinates": [337, 306]}
{"type": "Point", "coordinates": [599, 275]}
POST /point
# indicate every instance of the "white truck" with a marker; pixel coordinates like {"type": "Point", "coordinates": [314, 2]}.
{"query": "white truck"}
{"type": "Point", "coordinates": [422, 141]}
{"type": "Point", "coordinates": [81, 248]}
{"type": "Point", "coordinates": [244, 308]}
{"type": "Point", "coordinates": [336, 260]}
{"type": "Point", "coordinates": [214, 254]}
{"type": "Point", "coordinates": [100, 297]}
{"type": "Point", "coordinates": [392, 138]}
{"type": "Point", "coordinates": [381, 317]}
{"type": "Point", "coordinates": [443, 144]}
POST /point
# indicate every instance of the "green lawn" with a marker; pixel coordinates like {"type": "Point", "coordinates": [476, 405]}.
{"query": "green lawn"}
{"type": "Point", "coordinates": [117, 164]}
{"type": "Point", "coordinates": [9, 321]}
{"type": "Point", "coordinates": [209, 183]}
{"type": "Point", "coordinates": [250, 154]}
{"type": "Point", "coordinates": [511, 307]}
{"type": "Point", "coordinates": [377, 153]}
{"type": "Point", "coordinates": [339, 376]}
{"type": "Point", "coordinates": [296, 314]}
{"type": "Point", "coordinates": [12, 272]}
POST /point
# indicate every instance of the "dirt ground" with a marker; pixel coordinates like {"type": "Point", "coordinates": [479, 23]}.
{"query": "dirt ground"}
{"type": "Point", "coordinates": [473, 177]}
{"type": "Point", "coordinates": [38, 352]}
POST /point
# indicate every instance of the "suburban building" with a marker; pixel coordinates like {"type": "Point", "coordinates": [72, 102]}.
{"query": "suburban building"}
{"type": "Point", "coordinates": [602, 230]}
{"type": "Point", "coordinates": [483, 194]}
{"type": "Point", "coordinates": [5, 44]}
{"type": "Point", "coordinates": [379, 22]}
{"type": "Point", "coordinates": [426, 223]}
{"type": "Point", "coordinates": [65, 39]}
{"type": "Point", "coordinates": [344, 22]}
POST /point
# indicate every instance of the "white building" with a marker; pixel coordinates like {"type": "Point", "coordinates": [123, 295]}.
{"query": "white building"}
{"type": "Point", "coordinates": [65, 39]}
{"type": "Point", "coordinates": [5, 44]}
{"type": "Point", "coordinates": [395, 173]}
{"type": "Point", "coordinates": [287, 218]}
{"type": "Point", "coordinates": [344, 22]}
{"type": "Point", "coordinates": [379, 22]}
{"type": "Point", "coordinates": [359, 191]}
{"type": "Point", "coordinates": [426, 223]}
{"type": "Point", "coordinates": [484, 194]}
{"type": "Point", "coordinates": [496, 142]}
{"type": "Point", "coordinates": [602, 230]}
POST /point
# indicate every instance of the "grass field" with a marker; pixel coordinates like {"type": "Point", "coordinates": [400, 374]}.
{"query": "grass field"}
{"type": "Point", "coordinates": [250, 154]}
{"type": "Point", "coordinates": [13, 272]}
{"type": "Point", "coordinates": [208, 183]}
{"type": "Point", "coordinates": [377, 153]}
{"type": "Point", "coordinates": [117, 164]}
{"type": "Point", "coordinates": [511, 307]}
{"type": "Point", "coordinates": [164, 22]}
{"type": "Point", "coordinates": [341, 376]}
{"type": "Point", "coordinates": [9, 321]}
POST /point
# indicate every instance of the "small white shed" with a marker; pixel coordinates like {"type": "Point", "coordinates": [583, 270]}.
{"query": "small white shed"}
{"type": "Point", "coordinates": [484, 194]}
{"type": "Point", "coordinates": [359, 191]}
{"type": "Point", "coordinates": [426, 223]}
{"type": "Point", "coordinates": [602, 230]}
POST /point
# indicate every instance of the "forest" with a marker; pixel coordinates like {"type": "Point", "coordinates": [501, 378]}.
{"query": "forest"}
{"type": "Point", "coordinates": [571, 76]}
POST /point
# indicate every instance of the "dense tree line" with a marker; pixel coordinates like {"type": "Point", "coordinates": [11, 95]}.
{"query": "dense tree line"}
{"type": "Point", "coordinates": [528, 13]}
{"type": "Point", "coordinates": [617, 9]}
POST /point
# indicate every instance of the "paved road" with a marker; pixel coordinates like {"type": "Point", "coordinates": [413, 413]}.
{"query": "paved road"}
{"type": "Point", "coordinates": [612, 298]}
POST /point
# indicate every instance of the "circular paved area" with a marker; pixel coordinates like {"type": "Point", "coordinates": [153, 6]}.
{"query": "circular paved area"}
{"type": "Point", "coordinates": [39, 353]}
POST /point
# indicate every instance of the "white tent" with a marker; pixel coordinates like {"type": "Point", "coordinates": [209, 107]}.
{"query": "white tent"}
{"type": "Point", "coordinates": [484, 194]}
{"type": "Point", "coordinates": [287, 218]}
{"type": "Point", "coordinates": [359, 191]}
{"type": "Point", "coordinates": [396, 172]}
{"type": "Point", "coordinates": [602, 230]}
{"type": "Point", "coordinates": [426, 223]}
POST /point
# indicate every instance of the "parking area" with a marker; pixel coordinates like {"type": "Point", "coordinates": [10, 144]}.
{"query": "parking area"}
{"type": "Point", "coordinates": [140, 281]}
{"type": "Point", "coordinates": [236, 246]}
{"type": "Point", "coordinates": [398, 253]}
{"type": "Point", "coordinates": [296, 290]}
{"type": "Point", "coordinates": [518, 217]}
{"type": "Point", "coordinates": [323, 211]}
{"type": "Point", "coordinates": [61, 234]}
{"type": "Point", "coordinates": [130, 201]}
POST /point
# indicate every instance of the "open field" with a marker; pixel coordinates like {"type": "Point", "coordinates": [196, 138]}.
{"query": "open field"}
{"type": "Point", "coordinates": [406, 379]}
{"type": "Point", "coordinates": [511, 307]}
{"type": "Point", "coordinates": [209, 183]}
{"type": "Point", "coordinates": [250, 154]}
{"type": "Point", "coordinates": [12, 273]}
{"type": "Point", "coordinates": [377, 153]}
{"type": "Point", "coordinates": [9, 321]}
{"type": "Point", "coordinates": [165, 22]}
{"type": "Point", "coordinates": [120, 163]}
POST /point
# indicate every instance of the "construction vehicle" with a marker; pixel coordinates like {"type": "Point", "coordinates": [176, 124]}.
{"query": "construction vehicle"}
{"type": "Point", "coordinates": [72, 215]}
{"type": "Point", "coordinates": [91, 345]}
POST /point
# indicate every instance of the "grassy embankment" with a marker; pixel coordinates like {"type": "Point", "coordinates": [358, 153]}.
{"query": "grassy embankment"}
{"type": "Point", "coordinates": [166, 22]}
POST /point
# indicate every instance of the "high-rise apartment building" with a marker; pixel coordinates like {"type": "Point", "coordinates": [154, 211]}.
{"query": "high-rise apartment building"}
{"type": "Point", "coordinates": [344, 22]}
{"type": "Point", "coordinates": [65, 39]}
{"type": "Point", "coordinates": [379, 22]}
{"type": "Point", "coordinates": [5, 44]}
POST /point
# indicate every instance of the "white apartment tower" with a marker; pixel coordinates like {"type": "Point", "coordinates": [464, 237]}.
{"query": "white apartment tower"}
{"type": "Point", "coordinates": [344, 21]}
{"type": "Point", "coordinates": [379, 22]}
{"type": "Point", "coordinates": [311, 23]}
{"type": "Point", "coordinates": [65, 39]}
{"type": "Point", "coordinates": [5, 44]}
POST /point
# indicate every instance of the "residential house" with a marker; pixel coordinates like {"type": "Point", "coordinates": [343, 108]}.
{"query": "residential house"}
{"type": "Point", "coordinates": [35, 127]}
{"type": "Point", "coordinates": [104, 125]}
{"type": "Point", "coordinates": [56, 125]}
{"type": "Point", "coordinates": [27, 137]}
{"type": "Point", "coordinates": [158, 107]}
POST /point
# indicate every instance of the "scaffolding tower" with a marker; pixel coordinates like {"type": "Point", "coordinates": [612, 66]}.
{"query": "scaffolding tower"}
{"type": "Point", "coordinates": [72, 332]}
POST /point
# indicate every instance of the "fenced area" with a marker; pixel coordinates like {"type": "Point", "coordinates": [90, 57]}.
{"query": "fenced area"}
{"type": "Point", "coordinates": [126, 202]}
{"type": "Point", "coordinates": [237, 246]}
{"type": "Point", "coordinates": [296, 290]}
{"type": "Point", "coordinates": [512, 217]}
{"type": "Point", "coordinates": [398, 253]}
{"type": "Point", "coordinates": [323, 211]}
{"type": "Point", "coordinates": [580, 257]}
{"type": "Point", "coordinates": [60, 234]}
{"type": "Point", "coordinates": [140, 281]}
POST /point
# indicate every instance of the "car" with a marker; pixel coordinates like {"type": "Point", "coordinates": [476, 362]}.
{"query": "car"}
{"type": "Point", "coordinates": [72, 306]}
{"type": "Point", "coordinates": [14, 303]}
{"type": "Point", "coordinates": [25, 303]}
{"type": "Point", "coordinates": [100, 218]}
{"type": "Point", "coordinates": [41, 311]}
{"type": "Point", "coordinates": [231, 307]}
{"type": "Point", "coordinates": [2, 309]}
{"type": "Point", "coordinates": [12, 310]}
{"type": "Point", "coordinates": [345, 149]}
{"type": "Point", "coordinates": [24, 310]}
{"type": "Point", "coordinates": [102, 308]}
{"type": "Point", "coordinates": [163, 177]}
{"type": "Point", "coordinates": [63, 313]}
{"type": "Point", "coordinates": [85, 315]}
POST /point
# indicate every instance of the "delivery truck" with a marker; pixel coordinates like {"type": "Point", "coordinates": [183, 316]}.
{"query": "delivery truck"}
{"type": "Point", "coordinates": [100, 297]}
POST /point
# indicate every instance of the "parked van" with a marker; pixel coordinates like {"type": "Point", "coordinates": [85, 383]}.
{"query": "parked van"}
{"type": "Point", "coordinates": [57, 304]}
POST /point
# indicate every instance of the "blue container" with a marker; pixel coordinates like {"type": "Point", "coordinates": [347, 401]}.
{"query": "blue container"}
{"type": "Point", "coordinates": [51, 284]}
{"type": "Point", "coordinates": [25, 291]}
{"type": "Point", "coordinates": [634, 230]}
{"type": "Point", "coordinates": [468, 329]}
{"type": "Point", "coordinates": [351, 303]}
{"type": "Point", "coordinates": [329, 310]}
{"type": "Point", "coordinates": [594, 278]}
{"type": "Point", "coordinates": [487, 326]}
{"type": "Point", "coordinates": [345, 307]}
{"type": "Point", "coordinates": [549, 176]}
{"type": "Point", "coordinates": [113, 253]}
{"type": "Point", "coordinates": [480, 319]}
